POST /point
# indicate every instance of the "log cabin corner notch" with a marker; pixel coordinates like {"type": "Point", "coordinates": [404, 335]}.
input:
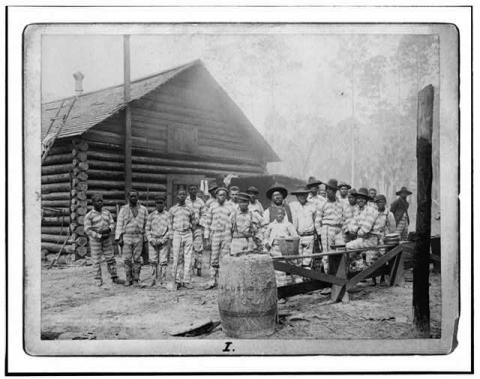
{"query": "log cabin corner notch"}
{"type": "Point", "coordinates": [185, 127]}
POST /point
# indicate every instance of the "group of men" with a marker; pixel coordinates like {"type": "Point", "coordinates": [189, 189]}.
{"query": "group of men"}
{"type": "Point", "coordinates": [232, 222]}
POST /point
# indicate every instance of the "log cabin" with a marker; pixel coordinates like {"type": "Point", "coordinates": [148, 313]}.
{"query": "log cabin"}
{"type": "Point", "coordinates": [184, 128]}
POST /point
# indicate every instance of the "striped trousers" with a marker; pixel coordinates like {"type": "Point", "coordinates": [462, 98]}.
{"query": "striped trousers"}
{"type": "Point", "coordinates": [221, 242]}
{"type": "Point", "coordinates": [99, 248]}
{"type": "Point", "coordinates": [182, 245]}
{"type": "Point", "coordinates": [329, 235]}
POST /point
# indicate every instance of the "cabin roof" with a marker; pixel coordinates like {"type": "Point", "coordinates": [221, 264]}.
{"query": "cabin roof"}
{"type": "Point", "coordinates": [89, 109]}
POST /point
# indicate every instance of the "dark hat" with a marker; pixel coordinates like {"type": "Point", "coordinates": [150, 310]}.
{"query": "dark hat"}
{"type": "Point", "coordinates": [253, 189]}
{"type": "Point", "coordinates": [363, 192]}
{"type": "Point", "coordinates": [403, 189]}
{"type": "Point", "coordinates": [312, 182]}
{"type": "Point", "coordinates": [212, 187]}
{"type": "Point", "coordinates": [243, 196]}
{"type": "Point", "coordinates": [160, 198]}
{"type": "Point", "coordinates": [380, 198]}
{"type": "Point", "coordinates": [352, 191]}
{"type": "Point", "coordinates": [343, 184]}
{"type": "Point", "coordinates": [301, 191]}
{"type": "Point", "coordinates": [218, 189]}
{"type": "Point", "coordinates": [277, 187]}
{"type": "Point", "coordinates": [235, 188]}
{"type": "Point", "coordinates": [333, 184]}
{"type": "Point", "coordinates": [372, 189]}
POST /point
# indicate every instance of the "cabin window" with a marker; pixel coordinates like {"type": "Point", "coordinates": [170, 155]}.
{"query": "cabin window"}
{"type": "Point", "coordinates": [182, 139]}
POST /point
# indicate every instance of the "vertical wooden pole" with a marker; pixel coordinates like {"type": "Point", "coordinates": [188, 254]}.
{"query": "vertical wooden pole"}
{"type": "Point", "coordinates": [128, 115]}
{"type": "Point", "coordinates": [421, 298]}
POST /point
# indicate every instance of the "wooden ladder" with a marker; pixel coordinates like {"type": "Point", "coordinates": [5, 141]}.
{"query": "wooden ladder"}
{"type": "Point", "coordinates": [49, 140]}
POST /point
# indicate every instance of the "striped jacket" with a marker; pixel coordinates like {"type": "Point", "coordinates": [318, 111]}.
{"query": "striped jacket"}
{"type": "Point", "coordinates": [96, 221]}
{"type": "Point", "coordinates": [183, 218]}
{"type": "Point", "coordinates": [330, 213]}
{"type": "Point", "coordinates": [199, 207]}
{"type": "Point", "coordinates": [219, 218]}
{"type": "Point", "coordinates": [158, 225]}
{"type": "Point", "coordinates": [127, 223]}
{"type": "Point", "coordinates": [363, 221]}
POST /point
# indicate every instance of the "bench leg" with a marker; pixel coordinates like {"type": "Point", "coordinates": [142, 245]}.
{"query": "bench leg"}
{"type": "Point", "coordinates": [396, 272]}
{"type": "Point", "coordinates": [339, 292]}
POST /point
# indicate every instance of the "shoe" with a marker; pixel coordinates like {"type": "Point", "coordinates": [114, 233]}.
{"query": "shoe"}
{"type": "Point", "coordinates": [172, 286]}
{"type": "Point", "coordinates": [187, 286]}
{"type": "Point", "coordinates": [199, 271]}
{"type": "Point", "coordinates": [98, 282]}
{"type": "Point", "coordinates": [115, 280]}
{"type": "Point", "coordinates": [127, 283]}
{"type": "Point", "coordinates": [211, 284]}
{"type": "Point", "coordinates": [136, 283]}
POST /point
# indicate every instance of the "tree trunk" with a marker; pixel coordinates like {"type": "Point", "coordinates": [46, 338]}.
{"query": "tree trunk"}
{"type": "Point", "coordinates": [421, 297]}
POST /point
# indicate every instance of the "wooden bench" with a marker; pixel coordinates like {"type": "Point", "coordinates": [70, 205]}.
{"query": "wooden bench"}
{"type": "Point", "coordinates": [341, 282]}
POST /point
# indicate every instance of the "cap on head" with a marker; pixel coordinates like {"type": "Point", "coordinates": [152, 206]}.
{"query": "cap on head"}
{"type": "Point", "coordinates": [242, 196]}
{"type": "Point", "coordinates": [220, 189]}
{"type": "Point", "coordinates": [253, 190]}
{"type": "Point", "coordinates": [160, 198]}
{"type": "Point", "coordinates": [343, 184]}
{"type": "Point", "coordinates": [379, 198]}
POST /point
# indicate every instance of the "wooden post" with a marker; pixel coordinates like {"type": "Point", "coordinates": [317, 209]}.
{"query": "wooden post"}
{"type": "Point", "coordinates": [128, 115]}
{"type": "Point", "coordinates": [421, 298]}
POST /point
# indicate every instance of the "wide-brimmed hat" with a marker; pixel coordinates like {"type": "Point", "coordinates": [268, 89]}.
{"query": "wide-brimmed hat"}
{"type": "Point", "coordinates": [243, 196]}
{"type": "Point", "coordinates": [312, 182]}
{"type": "Point", "coordinates": [332, 183]}
{"type": "Point", "coordinates": [380, 198]}
{"type": "Point", "coordinates": [276, 187]}
{"type": "Point", "coordinates": [343, 184]}
{"type": "Point", "coordinates": [302, 190]}
{"type": "Point", "coordinates": [218, 189]}
{"type": "Point", "coordinates": [363, 192]}
{"type": "Point", "coordinates": [253, 189]}
{"type": "Point", "coordinates": [352, 191]}
{"type": "Point", "coordinates": [212, 187]}
{"type": "Point", "coordinates": [403, 190]}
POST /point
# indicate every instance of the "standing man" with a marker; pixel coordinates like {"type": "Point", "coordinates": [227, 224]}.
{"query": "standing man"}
{"type": "Point", "coordinates": [303, 213]}
{"type": "Point", "coordinates": [399, 208]}
{"type": "Point", "coordinates": [98, 225]}
{"type": "Point", "coordinates": [349, 211]}
{"type": "Point", "coordinates": [372, 192]}
{"type": "Point", "coordinates": [342, 195]}
{"type": "Point", "coordinates": [232, 201]}
{"type": "Point", "coordinates": [129, 234]}
{"type": "Point", "coordinates": [314, 185]}
{"type": "Point", "coordinates": [385, 222]}
{"type": "Point", "coordinates": [361, 229]}
{"type": "Point", "coordinates": [246, 228]}
{"type": "Point", "coordinates": [329, 221]}
{"type": "Point", "coordinates": [218, 232]}
{"type": "Point", "coordinates": [183, 221]}
{"type": "Point", "coordinates": [158, 236]}
{"type": "Point", "coordinates": [254, 205]}
{"type": "Point", "coordinates": [277, 195]}
{"type": "Point", "coordinates": [198, 206]}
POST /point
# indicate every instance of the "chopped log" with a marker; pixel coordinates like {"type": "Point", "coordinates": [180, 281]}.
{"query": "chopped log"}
{"type": "Point", "coordinates": [81, 156]}
{"type": "Point", "coordinates": [116, 184]}
{"type": "Point", "coordinates": [105, 165]}
{"type": "Point", "coordinates": [55, 187]}
{"type": "Point", "coordinates": [57, 159]}
{"type": "Point", "coordinates": [81, 251]}
{"type": "Point", "coordinates": [421, 268]}
{"type": "Point", "coordinates": [57, 169]}
{"type": "Point", "coordinates": [55, 203]}
{"type": "Point", "coordinates": [79, 230]}
{"type": "Point", "coordinates": [189, 171]}
{"type": "Point", "coordinates": [61, 147]}
{"type": "Point", "coordinates": [56, 178]}
{"type": "Point", "coordinates": [81, 145]}
{"type": "Point", "coordinates": [81, 241]}
{"type": "Point", "coordinates": [82, 175]}
{"type": "Point", "coordinates": [55, 248]}
{"type": "Point", "coordinates": [81, 186]}
{"type": "Point", "coordinates": [82, 195]}
{"type": "Point", "coordinates": [57, 230]}
{"type": "Point", "coordinates": [55, 212]}
{"type": "Point", "coordinates": [56, 196]}
{"type": "Point", "coordinates": [105, 174]}
{"type": "Point", "coordinates": [73, 216]}
{"type": "Point", "coordinates": [104, 156]}
{"type": "Point", "coordinates": [80, 220]}
{"type": "Point", "coordinates": [81, 165]}
{"type": "Point", "coordinates": [120, 195]}
{"type": "Point", "coordinates": [82, 211]}
{"type": "Point", "coordinates": [54, 238]}
{"type": "Point", "coordinates": [56, 221]}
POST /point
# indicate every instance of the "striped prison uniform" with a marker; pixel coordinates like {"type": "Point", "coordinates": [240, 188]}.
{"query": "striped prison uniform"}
{"type": "Point", "coordinates": [256, 207]}
{"type": "Point", "coordinates": [93, 223]}
{"type": "Point", "coordinates": [199, 208]}
{"type": "Point", "coordinates": [328, 223]}
{"type": "Point", "coordinates": [246, 232]}
{"type": "Point", "coordinates": [131, 224]}
{"type": "Point", "coordinates": [303, 219]}
{"type": "Point", "coordinates": [158, 232]}
{"type": "Point", "coordinates": [348, 213]}
{"type": "Point", "coordinates": [384, 223]}
{"type": "Point", "coordinates": [317, 200]}
{"type": "Point", "coordinates": [402, 227]}
{"type": "Point", "coordinates": [183, 220]}
{"type": "Point", "coordinates": [218, 229]}
{"type": "Point", "coordinates": [362, 226]}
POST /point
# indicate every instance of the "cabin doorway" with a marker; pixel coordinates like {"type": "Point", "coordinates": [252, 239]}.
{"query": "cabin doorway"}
{"type": "Point", "coordinates": [175, 182]}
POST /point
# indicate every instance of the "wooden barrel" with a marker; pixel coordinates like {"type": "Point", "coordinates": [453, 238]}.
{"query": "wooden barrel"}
{"type": "Point", "coordinates": [247, 296]}
{"type": "Point", "coordinates": [288, 246]}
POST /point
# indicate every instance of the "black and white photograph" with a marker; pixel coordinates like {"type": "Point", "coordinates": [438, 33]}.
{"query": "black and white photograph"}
{"type": "Point", "coordinates": [242, 188]}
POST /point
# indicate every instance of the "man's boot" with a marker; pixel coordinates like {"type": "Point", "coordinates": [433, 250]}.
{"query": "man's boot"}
{"type": "Point", "coordinates": [163, 274]}
{"type": "Point", "coordinates": [137, 266]}
{"type": "Point", "coordinates": [112, 269]}
{"type": "Point", "coordinates": [128, 274]}
{"type": "Point", "coordinates": [154, 275]}
{"type": "Point", "coordinates": [212, 283]}
{"type": "Point", "coordinates": [198, 265]}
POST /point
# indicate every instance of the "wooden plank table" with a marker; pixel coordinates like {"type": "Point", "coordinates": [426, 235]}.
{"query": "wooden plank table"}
{"type": "Point", "coordinates": [341, 281]}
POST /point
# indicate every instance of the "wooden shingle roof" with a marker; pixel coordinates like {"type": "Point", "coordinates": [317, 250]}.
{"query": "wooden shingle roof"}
{"type": "Point", "coordinates": [91, 108]}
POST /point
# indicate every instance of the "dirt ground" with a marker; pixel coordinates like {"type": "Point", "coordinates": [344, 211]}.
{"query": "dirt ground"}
{"type": "Point", "coordinates": [74, 308]}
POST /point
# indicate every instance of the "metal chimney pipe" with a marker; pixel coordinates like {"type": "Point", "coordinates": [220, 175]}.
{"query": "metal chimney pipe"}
{"type": "Point", "coordinates": [78, 76]}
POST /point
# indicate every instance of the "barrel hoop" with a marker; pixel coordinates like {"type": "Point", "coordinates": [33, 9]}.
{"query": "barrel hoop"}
{"type": "Point", "coordinates": [271, 311]}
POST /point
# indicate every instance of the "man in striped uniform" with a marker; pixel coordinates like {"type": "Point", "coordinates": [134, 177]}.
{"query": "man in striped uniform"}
{"type": "Point", "coordinates": [183, 221]}
{"type": "Point", "coordinates": [361, 228]}
{"type": "Point", "coordinates": [329, 221]}
{"type": "Point", "coordinates": [158, 236]}
{"type": "Point", "coordinates": [246, 228]}
{"type": "Point", "coordinates": [198, 206]}
{"type": "Point", "coordinates": [218, 232]}
{"type": "Point", "coordinates": [372, 192]}
{"type": "Point", "coordinates": [99, 224]}
{"type": "Point", "coordinates": [399, 208]}
{"type": "Point", "coordinates": [129, 235]}
{"type": "Point", "coordinates": [314, 197]}
{"type": "Point", "coordinates": [303, 215]}
{"type": "Point", "coordinates": [349, 210]}
{"type": "Point", "coordinates": [342, 194]}
{"type": "Point", "coordinates": [232, 201]}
